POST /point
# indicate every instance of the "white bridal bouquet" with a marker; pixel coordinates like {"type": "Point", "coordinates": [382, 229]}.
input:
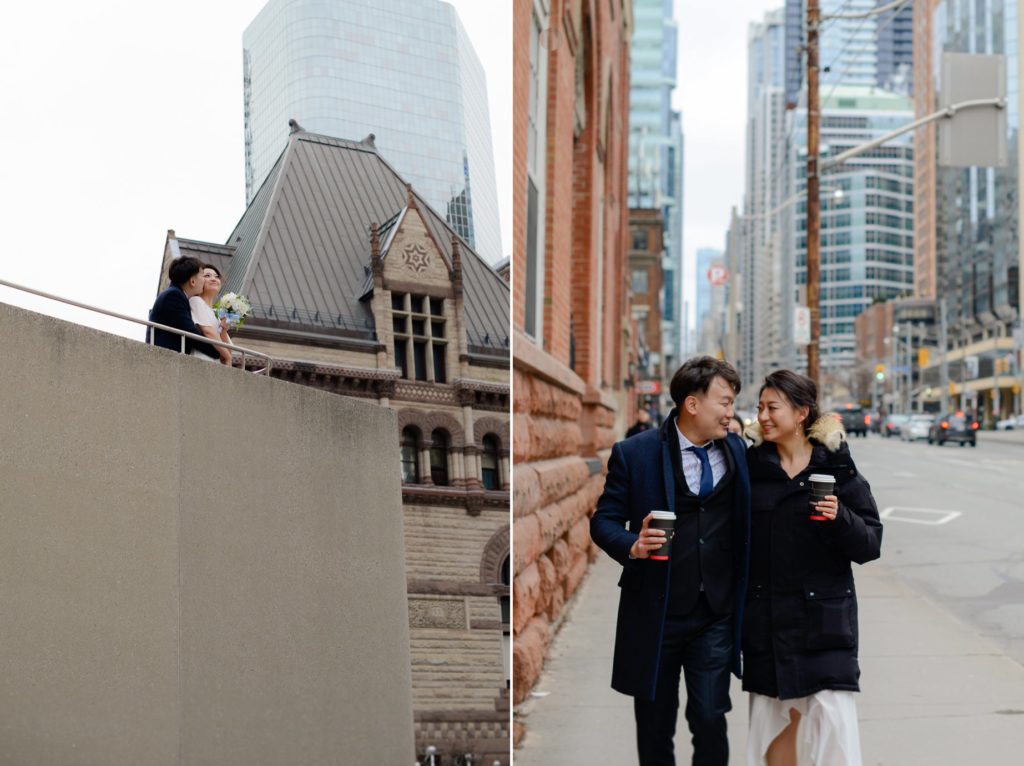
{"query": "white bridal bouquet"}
{"type": "Point", "coordinates": [233, 307]}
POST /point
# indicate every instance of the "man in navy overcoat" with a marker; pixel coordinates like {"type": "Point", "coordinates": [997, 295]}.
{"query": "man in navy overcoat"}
{"type": "Point", "coordinates": [171, 307]}
{"type": "Point", "coordinates": [682, 614]}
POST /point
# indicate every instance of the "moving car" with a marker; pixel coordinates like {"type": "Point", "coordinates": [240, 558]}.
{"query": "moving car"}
{"type": "Point", "coordinates": [916, 427]}
{"type": "Point", "coordinates": [855, 420]}
{"type": "Point", "coordinates": [954, 427]}
{"type": "Point", "coordinates": [893, 423]}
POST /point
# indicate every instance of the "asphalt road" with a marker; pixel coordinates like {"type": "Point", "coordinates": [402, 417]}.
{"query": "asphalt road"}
{"type": "Point", "coordinates": [954, 526]}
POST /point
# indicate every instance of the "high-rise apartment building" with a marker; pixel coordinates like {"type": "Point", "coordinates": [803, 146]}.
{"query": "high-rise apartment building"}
{"type": "Point", "coordinates": [761, 325]}
{"type": "Point", "coordinates": [673, 314]}
{"type": "Point", "coordinates": [403, 70]}
{"type": "Point", "coordinates": [848, 51]}
{"type": "Point", "coordinates": [895, 36]}
{"type": "Point", "coordinates": [655, 148]}
{"type": "Point", "coordinates": [860, 50]}
{"type": "Point", "coordinates": [976, 220]}
{"type": "Point", "coordinates": [867, 222]}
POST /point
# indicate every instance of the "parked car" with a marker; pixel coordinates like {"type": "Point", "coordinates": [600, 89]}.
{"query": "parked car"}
{"type": "Point", "coordinates": [1010, 423]}
{"type": "Point", "coordinates": [855, 420]}
{"type": "Point", "coordinates": [954, 427]}
{"type": "Point", "coordinates": [893, 423]}
{"type": "Point", "coordinates": [916, 427]}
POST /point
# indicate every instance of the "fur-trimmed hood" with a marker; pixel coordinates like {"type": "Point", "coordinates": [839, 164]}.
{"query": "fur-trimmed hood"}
{"type": "Point", "coordinates": [827, 430]}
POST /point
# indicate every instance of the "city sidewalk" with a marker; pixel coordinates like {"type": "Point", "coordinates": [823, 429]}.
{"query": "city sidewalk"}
{"type": "Point", "coordinates": [934, 691]}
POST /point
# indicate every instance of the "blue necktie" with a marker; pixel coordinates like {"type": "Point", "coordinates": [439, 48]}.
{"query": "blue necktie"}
{"type": "Point", "coordinates": [707, 479]}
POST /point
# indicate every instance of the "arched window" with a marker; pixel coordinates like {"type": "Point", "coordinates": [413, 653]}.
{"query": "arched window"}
{"type": "Point", "coordinates": [489, 463]}
{"type": "Point", "coordinates": [506, 621]}
{"type": "Point", "coordinates": [439, 457]}
{"type": "Point", "coordinates": [410, 455]}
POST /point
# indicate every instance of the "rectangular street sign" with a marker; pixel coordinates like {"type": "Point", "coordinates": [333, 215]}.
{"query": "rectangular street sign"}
{"type": "Point", "coordinates": [648, 387]}
{"type": "Point", "coordinates": [975, 136]}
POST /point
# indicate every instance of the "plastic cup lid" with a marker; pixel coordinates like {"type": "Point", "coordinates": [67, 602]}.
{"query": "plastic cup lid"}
{"type": "Point", "coordinates": [663, 514]}
{"type": "Point", "coordinates": [822, 477]}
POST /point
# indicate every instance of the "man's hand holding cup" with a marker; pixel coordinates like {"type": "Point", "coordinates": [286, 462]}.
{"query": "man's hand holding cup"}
{"type": "Point", "coordinates": [655, 536]}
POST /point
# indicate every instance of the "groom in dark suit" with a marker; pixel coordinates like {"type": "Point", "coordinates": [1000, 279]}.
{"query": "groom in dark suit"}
{"type": "Point", "coordinates": [683, 614]}
{"type": "Point", "coordinates": [171, 307]}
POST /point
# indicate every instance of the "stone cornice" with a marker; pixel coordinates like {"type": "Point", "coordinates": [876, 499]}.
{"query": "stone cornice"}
{"type": "Point", "coordinates": [427, 587]}
{"type": "Point", "coordinates": [485, 386]}
{"type": "Point", "coordinates": [368, 373]}
{"type": "Point", "coordinates": [600, 397]}
{"type": "Point", "coordinates": [533, 360]}
{"type": "Point", "coordinates": [474, 501]}
{"type": "Point", "coordinates": [457, 716]}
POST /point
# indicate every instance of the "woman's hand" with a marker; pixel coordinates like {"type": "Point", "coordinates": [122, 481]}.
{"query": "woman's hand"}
{"type": "Point", "coordinates": [649, 540]}
{"type": "Point", "coordinates": [829, 507]}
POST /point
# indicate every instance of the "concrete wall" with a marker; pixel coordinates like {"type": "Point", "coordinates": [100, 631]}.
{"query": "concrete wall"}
{"type": "Point", "coordinates": [197, 565]}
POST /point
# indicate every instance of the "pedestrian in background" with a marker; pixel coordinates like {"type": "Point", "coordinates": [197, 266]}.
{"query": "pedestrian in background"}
{"type": "Point", "coordinates": [800, 623]}
{"type": "Point", "coordinates": [643, 423]}
{"type": "Point", "coordinates": [680, 615]}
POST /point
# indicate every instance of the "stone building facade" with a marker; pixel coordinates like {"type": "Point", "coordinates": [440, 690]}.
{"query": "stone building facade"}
{"type": "Point", "coordinates": [570, 317]}
{"type": "Point", "coordinates": [360, 288]}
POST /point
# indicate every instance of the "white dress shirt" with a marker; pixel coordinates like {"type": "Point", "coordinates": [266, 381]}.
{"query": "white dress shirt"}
{"type": "Point", "coordinates": [691, 463]}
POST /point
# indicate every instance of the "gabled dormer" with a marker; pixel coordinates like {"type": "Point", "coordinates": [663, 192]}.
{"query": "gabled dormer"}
{"type": "Point", "coordinates": [416, 292]}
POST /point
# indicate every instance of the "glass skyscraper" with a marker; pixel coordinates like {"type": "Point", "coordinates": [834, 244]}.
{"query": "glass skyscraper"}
{"type": "Point", "coordinates": [403, 70]}
{"type": "Point", "coordinates": [656, 149]}
{"type": "Point", "coordinates": [854, 51]}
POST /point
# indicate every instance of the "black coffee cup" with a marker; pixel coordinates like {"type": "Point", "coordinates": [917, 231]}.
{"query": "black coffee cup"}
{"type": "Point", "coordinates": [822, 485]}
{"type": "Point", "coordinates": [666, 521]}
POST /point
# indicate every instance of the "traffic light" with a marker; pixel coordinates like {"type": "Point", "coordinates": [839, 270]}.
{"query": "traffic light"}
{"type": "Point", "coordinates": [879, 372]}
{"type": "Point", "coordinates": [923, 357]}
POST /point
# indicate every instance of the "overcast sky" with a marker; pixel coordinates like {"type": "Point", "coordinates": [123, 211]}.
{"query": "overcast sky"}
{"type": "Point", "coordinates": [711, 91]}
{"type": "Point", "coordinates": [122, 119]}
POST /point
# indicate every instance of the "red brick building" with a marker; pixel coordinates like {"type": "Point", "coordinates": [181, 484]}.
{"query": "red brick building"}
{"type": "Point", "coordinates": [646, 280]}
{"type": "Point", "coordinates": [570, 314]}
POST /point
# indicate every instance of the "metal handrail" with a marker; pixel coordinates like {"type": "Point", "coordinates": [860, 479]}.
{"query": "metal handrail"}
{"type": "Point", "coordinates": [155, 325]}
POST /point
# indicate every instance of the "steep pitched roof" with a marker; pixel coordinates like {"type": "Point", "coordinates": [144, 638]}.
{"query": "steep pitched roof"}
{"type": "Point", "coordinates": [302, 248]}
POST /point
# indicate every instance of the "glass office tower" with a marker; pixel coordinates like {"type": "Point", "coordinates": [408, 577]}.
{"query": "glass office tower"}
{"type": "Point", "coordinates": [403, 70]}
{"type": "Point", "coordinates": [656, 151]}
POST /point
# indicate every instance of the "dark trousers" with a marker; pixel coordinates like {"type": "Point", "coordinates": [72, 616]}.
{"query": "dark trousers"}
{"type": "Point", "coordinates": [700, 645]}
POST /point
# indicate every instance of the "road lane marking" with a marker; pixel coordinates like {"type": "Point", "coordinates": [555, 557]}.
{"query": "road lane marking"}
{"type": "Point", "coordinates": [928, 516]}
{"type": "Point", "coordinates": [904, 474]}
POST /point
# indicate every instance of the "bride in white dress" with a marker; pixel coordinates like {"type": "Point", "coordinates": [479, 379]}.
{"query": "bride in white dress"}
{"type": "Point", "coordinates": [205, 317]}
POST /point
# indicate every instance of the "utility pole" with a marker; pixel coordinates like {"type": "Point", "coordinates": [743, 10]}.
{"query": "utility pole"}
{"type": "Point", "coordinates": [943, 361]}
{"type": "Point", "coordinates": [813, 198]}
{"type": "Point", "coordinates": [908, 392]}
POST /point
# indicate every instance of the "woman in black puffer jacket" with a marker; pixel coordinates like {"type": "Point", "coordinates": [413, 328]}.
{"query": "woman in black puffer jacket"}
{"type": "Point", "coordinates": [800, 621]}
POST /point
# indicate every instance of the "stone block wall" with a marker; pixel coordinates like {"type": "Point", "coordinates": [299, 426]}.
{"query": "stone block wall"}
{"type": "Point", "coordinates": [185, 571]}
{"type": "Point", "coordinates": [563, 435]}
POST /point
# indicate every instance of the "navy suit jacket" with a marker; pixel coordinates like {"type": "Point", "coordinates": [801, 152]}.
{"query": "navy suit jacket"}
{"type": "Point", "coordinates": [171, 308]}
{"type": "Point", "coordinates": [640, 479]}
